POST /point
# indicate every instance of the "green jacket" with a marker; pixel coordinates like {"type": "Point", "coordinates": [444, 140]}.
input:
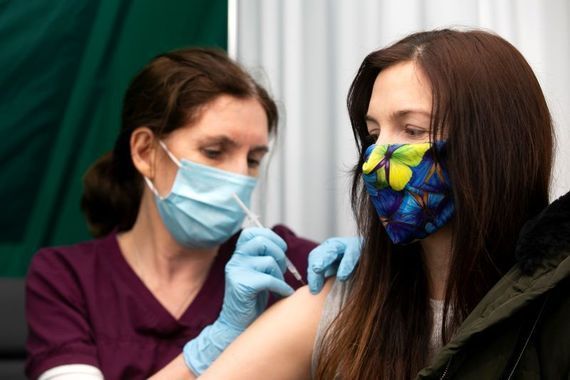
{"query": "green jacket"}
{"type": "Point", "coordinates": [521, 328]}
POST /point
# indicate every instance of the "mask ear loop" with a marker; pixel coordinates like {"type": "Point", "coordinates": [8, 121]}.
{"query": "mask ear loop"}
{"type": "Point", "coordinates": [174, 159]}
{"type": "Point", "coordinates": [169, 153]}
{"type": "Point", "coordinates": [152, 188]}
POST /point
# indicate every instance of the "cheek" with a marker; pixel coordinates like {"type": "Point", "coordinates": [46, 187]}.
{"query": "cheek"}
{"type": "Point", "coordinates": [254, 172]}
{"type": "Point", "coordinates": [164, 176]}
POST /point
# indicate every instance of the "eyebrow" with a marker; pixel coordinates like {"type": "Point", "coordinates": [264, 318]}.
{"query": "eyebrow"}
{"type": "Point", "coordinates": [400, 114]}
{"type": "Point", "coordinates": [403, 113]}
{"type": "Point", "coordinates": [228, 142]}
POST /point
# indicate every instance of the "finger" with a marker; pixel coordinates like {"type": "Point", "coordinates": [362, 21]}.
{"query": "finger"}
{"type": "Point", "coordinates": [316, 281]}
{"type": "Point", "coordinates": [349, 260]}
{"type": "Point", "coordinates": [241, 272]}
{"type": "Point", "coordinates": [325, 255]}
{"type": "Point", "coordinates": [250, 233]}
{"type": "Point", "coordinates": [261, 246]}
{"type": "Point", "coordinates": [260, 282]}
{"type": "Point", "coordinates": [263, 264]}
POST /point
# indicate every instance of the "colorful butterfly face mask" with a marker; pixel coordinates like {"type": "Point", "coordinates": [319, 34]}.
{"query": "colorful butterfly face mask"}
{"type": "Point", "coordinates": [410, 191]}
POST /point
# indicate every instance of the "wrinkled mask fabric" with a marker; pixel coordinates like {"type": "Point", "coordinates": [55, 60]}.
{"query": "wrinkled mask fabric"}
{"type": "Point", "coordinates": [200, 210]}
{"type": "Point", "coordinates": [409, 189]}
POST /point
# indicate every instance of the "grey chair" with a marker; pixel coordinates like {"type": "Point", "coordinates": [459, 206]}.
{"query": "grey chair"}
{"type": "Point", "coordinates": [12, 328]}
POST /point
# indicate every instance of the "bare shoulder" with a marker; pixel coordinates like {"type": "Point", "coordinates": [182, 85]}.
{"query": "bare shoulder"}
{"type": "Point", "coordinates": [279, 342]}
{"type": "Point", "coordinates": [301, 302]}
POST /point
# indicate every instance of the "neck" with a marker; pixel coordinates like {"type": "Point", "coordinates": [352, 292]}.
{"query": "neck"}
{"type": "Point", "coordinates": [436, 254]}
{"type": "Point", "coordinates": [156, 257]}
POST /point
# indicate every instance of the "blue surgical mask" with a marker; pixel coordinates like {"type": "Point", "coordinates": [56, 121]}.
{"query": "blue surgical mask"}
{"type": "Point", "coordinates": [200, 210]}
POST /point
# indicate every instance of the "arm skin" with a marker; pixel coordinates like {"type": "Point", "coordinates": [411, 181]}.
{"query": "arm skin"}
{"type": "Point", "coordinates": [278, 345]}
{"type": "Point", "coordinates": [175, 370]}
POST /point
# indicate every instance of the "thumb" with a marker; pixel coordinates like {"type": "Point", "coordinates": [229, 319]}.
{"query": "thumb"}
{"type": "Point", "coordinates": [350, 259]}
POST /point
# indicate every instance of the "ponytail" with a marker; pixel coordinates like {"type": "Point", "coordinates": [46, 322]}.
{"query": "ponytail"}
{"type": "Point", "coordinates": [111, 196]}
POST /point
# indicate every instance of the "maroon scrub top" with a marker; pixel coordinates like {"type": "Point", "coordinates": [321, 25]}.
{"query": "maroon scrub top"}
{"type": "Point", "coordinates": [85, 305]}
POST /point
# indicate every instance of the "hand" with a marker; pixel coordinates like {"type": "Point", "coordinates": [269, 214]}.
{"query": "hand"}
{"type": "Point", "coordinates": [255, 269]}
{"type": "Point", "coordinates": [338, 255]}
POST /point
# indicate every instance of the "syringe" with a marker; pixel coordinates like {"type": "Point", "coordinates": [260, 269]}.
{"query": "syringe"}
{"type": "Point", "coordinates": [255, 220]}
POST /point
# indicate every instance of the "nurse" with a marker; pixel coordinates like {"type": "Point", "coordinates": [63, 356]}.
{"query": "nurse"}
{"type": "Point", "coordinates": [169, 269]}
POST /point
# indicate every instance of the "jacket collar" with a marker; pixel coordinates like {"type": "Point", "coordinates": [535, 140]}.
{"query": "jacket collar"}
{"type": "Point", "coordinates": [543, 254]}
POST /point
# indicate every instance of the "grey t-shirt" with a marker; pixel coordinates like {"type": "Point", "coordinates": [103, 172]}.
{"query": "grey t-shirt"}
{"type": "Point", "coordinates": [335, 301]}
{"type": "Point", "coordinates": [333, 304]}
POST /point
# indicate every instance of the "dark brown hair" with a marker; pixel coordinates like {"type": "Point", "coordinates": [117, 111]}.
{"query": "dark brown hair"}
{"type": "Point", "coordinates": [500, 148]}
{"type": "Point", "coordinates": [167, 94]}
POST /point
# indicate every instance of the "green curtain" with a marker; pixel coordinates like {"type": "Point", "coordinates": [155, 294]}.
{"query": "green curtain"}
{"type": "Point", "coordinates": [65, 65]}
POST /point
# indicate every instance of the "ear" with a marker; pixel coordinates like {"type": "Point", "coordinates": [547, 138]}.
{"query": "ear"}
{"type": "Point", "coordinates": [143, 151]}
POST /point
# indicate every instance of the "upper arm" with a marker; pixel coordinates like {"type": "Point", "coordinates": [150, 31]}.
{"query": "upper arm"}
{"type": "Point", "coordinates": [58, 328]}
{"type": "Point", "coordinates": [278, 345]}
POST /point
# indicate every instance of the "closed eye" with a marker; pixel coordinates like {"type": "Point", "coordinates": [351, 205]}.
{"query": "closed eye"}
{"type": "Point", "coordinates": [212, 153]}
{"type": "Point", "coordinates": [255, 157]}
{"type": "Point", "coordinates": [414, 131]}
{"type": "Point", "coordinates": [253, 163]}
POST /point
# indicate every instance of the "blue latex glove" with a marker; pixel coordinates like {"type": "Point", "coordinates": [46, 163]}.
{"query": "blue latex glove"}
{"type": "Point", "coordinates": [255, 269]}
{"type": "Point", "coordinates": [337, 255]}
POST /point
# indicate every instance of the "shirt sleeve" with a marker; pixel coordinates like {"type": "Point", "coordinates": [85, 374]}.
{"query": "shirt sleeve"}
{"type": "Point", "coordinates": [298, 249]}
{"type": "Point", "coordinates": [58, 325]}
{"type": "Point", "coordinates": [72, 372]}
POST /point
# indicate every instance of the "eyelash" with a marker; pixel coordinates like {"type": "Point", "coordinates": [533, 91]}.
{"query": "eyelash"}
{"type": "Point", "coordinates": [211, 153]}
{"type": "Point", "coordinates": [414, 132]}
{"type": "Point", "coordinates": [214, 154]}
{"type": "Point", "coordinates": [253, 163]}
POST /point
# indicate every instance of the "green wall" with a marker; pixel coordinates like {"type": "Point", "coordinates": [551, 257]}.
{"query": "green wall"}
{"type": "Point", "coordinates": [64, 66]}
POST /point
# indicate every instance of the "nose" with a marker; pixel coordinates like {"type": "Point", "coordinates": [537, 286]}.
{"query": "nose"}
{"type": "Point", "coordinates": [237, 164]}
{"type": "Point", "coordinates": [387, 136]}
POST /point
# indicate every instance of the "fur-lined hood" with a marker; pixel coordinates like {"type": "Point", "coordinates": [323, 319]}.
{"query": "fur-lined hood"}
{"type": "Point", "coordinates": [545, 236]}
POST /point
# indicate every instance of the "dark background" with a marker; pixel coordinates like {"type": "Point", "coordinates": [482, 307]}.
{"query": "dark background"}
{"type": "Point", "coordinates": [64, 67]}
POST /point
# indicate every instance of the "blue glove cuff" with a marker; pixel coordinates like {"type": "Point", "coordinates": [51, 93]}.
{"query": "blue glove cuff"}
{"type": "Point", "coordinates": [202, 351]}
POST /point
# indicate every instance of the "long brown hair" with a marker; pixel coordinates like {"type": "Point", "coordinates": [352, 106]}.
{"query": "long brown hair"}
{"type": "Point", "coordinates": [166, 95]}
{"type": "Point", "coordinates": [500, 148]}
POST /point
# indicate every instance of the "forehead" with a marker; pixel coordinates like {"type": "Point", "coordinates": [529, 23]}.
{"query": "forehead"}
{"type": "Point", "coordinates": [400, 87]}
{"type": "Point", "coordinates": [242, 120]}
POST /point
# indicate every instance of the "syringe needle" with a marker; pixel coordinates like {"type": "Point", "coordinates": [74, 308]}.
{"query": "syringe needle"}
{"type": "Point", "coordinates": [255, 220]}
{"type": "Point", "coordinates": [249, 214]}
